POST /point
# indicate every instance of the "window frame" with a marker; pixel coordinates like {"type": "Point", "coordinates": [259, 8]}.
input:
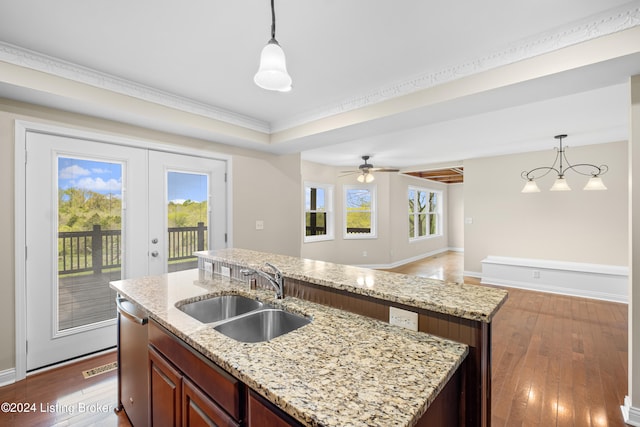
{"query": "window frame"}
{"type": "Point", "coordinates": [330, 217]}
{"type": "Point", "coordinates": [372, 188]}
{"type": "Point", "coordinates": [438, 212]}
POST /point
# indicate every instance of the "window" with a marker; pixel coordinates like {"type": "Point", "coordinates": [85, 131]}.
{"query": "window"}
{"type": "Point", "coordinates": [360, 211]}
{"type": "Point", "coordinates": [318, 213]}
{"type": "Point", "coordinates": [425, 213]}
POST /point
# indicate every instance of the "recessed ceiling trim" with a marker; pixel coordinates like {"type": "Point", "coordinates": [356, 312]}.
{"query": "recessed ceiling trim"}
{"type": "Point", "coordinates": [609, 22]}
{"type": "Point", "coordinates": [37, 61]}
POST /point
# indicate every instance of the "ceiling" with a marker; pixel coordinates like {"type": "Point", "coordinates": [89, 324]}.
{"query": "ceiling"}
{"type": "Point", "coordinates": [413, 84]}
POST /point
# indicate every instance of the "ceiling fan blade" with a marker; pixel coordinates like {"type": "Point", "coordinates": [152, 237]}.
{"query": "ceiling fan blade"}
{"type": "Point", "coordinates": [384, 170]}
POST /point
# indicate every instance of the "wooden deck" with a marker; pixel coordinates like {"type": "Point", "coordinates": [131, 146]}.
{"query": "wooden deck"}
{"type": "Point", "coordinates": [86, 298]}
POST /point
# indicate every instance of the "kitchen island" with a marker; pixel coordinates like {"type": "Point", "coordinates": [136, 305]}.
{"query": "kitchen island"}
{"type": "Point", "coordinates": [455, 311]}
{"type": "Point", "coordinates": [342, 369]}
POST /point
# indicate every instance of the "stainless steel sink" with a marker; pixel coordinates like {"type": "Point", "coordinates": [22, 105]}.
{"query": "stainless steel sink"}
{"type": "Point", "coordinates": [262, 325]}
{"type": "Point", "coordinates": [220, 308]}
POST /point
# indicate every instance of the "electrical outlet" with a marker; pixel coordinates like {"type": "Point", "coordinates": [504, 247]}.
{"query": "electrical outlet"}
{"type": "Point", "coordinates": [536, 274]}
{"type": "Point", "coordinates": [208, 269]}
{"type": "Point", "coordinates": [403, 318]}
{"type": "Point", "coordinates": [208, 266]}
{"type": "Point", "coordinates": [225, 271]}
{"type": "Point", "coordinates": [259, 224]}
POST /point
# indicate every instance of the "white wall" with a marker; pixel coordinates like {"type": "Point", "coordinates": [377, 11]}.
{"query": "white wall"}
{"type": "Point", "coordinates": [576, 226]}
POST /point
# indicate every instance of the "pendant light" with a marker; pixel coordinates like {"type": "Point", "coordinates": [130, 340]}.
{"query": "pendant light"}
{"type": "Point", "coordinates": [272, 73]}
{"type": "Point", "coordinates": [560, 184]}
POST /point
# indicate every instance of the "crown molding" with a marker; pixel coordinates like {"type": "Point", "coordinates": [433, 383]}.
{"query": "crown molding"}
{"type": "Point", "coordinates": [595, 26]}
{"type": "Point", "coordinates": [606, 23]}
{"type": "Point", "coordinates": [37, 61]}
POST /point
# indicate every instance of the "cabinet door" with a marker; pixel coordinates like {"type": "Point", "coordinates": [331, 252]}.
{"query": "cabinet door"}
{"type": "Point", "coordinates": [262, 413]}
{"type": "Point", "coordinates": [199, 410]}
{"type": "Point", "coordinates": [166, 392]}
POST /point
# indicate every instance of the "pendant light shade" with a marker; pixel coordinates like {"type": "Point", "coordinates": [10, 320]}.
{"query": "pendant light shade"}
{"type": "Point", "coordinates": [272, 74]}
{"type": "Point", "coordinates": [531, 187]}
{"type": "Point", "coordinates": [560, 184]}
{"type": "Point", "coordinates": [595, 183]}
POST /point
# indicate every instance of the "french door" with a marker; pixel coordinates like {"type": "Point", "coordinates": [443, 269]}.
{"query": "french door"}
{"type": "Point", "coordinates": [98, 212]}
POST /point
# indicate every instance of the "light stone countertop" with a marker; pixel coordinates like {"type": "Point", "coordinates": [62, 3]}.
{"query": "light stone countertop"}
{"type": "Point", "coordinates": [458, 299]}
{"type": "Point", "coordinates": [342, 369]}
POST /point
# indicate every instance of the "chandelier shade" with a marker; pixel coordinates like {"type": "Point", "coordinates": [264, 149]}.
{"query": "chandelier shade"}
{"type": "Point", "coordinates": [560, 166]}
{"type": "Point", "coordinates": [272, 73]}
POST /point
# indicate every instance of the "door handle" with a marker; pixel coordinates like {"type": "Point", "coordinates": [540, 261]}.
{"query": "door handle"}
{"type": "Point", "coordinates": [155, 254]}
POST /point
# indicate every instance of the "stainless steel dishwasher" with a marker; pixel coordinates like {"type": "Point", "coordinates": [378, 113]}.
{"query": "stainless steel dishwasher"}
{"type": "Point", "coordinates": [133, 371]}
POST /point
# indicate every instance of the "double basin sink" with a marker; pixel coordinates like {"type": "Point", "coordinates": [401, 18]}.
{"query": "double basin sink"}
{"type": "Point", "coordinates": [243, 319]}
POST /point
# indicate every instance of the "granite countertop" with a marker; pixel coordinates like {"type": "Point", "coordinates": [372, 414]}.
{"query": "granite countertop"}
{"type": "Point", "coordinates": [342, 369]}
{"type": "Point", "coordinates": [458, 299]}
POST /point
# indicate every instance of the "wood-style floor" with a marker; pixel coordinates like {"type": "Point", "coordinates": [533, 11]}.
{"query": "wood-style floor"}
{"type": "Point", "coordinates": [62, 397]}
{"type": "Point", "coordinates": [557, 361]}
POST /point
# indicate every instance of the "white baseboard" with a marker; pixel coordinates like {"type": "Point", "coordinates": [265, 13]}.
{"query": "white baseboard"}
{"type": "Point", "coordinates": [8, 376]}
{"type": "Point", "coordinates": [596, 281]}
{"type": "Point", "coordinates": [406, 260]}
{"type": "Point", "coordinates": [631, 415]}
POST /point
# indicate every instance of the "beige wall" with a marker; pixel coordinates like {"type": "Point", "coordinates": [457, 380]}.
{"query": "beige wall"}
{"type": "Point", "coordinates": [455, 216]}
{"type": "Point", "coordinates": [259, 180]}
{"type": "Point", "coordinates": [392, 244]}
{"type": "Point", "coordinates": [576, 226]}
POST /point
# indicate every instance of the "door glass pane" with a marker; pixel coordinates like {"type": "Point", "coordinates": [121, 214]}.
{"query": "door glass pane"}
{"type": "Point", "coordinates": [89, 240]}
{"type": "Point", "coordinates": [188, 218]}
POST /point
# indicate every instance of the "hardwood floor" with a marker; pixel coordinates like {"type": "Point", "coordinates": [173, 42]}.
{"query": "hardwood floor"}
{"type": "Point", "coordinates": [62, 397]}
{"type": "Point", "coordinates": [557, 361]}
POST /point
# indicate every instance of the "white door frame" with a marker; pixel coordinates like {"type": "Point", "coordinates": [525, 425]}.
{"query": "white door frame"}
{"type": "Point", "coordinates": [21, 128]}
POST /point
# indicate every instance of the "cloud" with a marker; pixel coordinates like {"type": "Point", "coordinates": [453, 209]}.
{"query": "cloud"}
{"type": "Point", "coordinates": [99, 185]}
{"type": "Point", "coordinates": [73, 171]}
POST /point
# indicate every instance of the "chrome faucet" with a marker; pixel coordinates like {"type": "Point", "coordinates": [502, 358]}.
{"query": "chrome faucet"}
{"type": "Point", "coordinates": [277, 281]}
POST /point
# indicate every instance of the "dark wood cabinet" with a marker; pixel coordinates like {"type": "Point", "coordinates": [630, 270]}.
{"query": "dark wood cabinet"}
{"type": "Point", "coordinates": [198, 409]}
{"type": "Point", "coordinates": [188, 390]}
{"type": "Point", "coordinates": [165, 401]}
{"type": "Point", "coordinates": [261, 413]}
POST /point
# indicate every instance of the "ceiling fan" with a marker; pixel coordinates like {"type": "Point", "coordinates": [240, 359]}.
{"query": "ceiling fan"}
{"type": "Point", "coordinates": [365, 170]}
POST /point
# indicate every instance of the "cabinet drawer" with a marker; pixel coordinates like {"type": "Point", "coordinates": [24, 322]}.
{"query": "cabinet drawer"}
{"type": "Point", "coordinates": [215, 382]}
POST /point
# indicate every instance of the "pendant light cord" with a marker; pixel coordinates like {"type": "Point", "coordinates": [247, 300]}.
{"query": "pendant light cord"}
{"type": "Point", "coordinates": [273, 22]}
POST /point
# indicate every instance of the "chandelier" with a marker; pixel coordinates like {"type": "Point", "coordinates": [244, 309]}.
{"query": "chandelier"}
{"type": "Point", "coordinates": [560, 184]}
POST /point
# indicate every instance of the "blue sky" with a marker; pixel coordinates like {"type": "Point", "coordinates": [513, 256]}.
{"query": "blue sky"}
{"type": "Point", "coordinates": [101, 177]}
{"type": "Point", "coordinates": [186, 186]}
{"type": "Point", "coordinates": [106, 178]}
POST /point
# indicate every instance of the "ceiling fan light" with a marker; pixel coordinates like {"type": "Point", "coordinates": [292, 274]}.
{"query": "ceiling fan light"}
{"type": "Point", "coordinates": [272, 73]}
{"type": "Point", "coordinates": [531, 187]}
{"type": "Point", "coordinates": [360, 178]}
{"type": "Point", "coordinates": [560, 184]}
{"type": "Point", "coordinates": [369, 178]}
{"type": "Point", "coordinates": [595, 183]}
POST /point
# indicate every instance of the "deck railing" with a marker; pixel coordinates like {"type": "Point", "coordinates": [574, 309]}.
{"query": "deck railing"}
{"type": "Point", "coordinates": [98, 250]}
